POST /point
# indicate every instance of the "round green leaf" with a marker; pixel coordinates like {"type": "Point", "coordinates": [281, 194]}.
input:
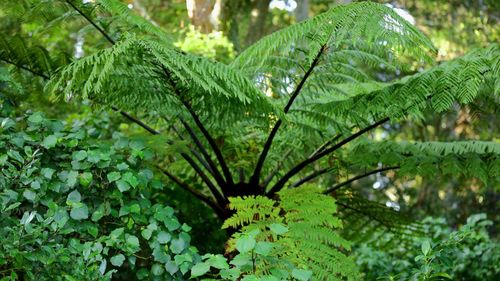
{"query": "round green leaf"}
{"type": "Point", "coordinates": [178, 245]}
{"type": "Point", "coordinates": [98, 213]}
{"type": "Point", "coordinates": [278, 229]}
{"type": "Point", "coordinates": [263, 248]}
{"type": "Point", "coordinates": [157, 269]}
{"type": "Point", "coordinates": [117, 260]}
{"type": "Point", "coordinates": [113, 176]}
{"type": "Point", "coordinates": [172, 224]}
{"type": "Point", "coordinates": [122, 185]}
{"type": "Point", "coordinates": [199, 269]}
{"type": "Point", "coordinates": [171, 267]}
{"type": "Point", "coordinates": [35, 118]}
{"type": "Point", "coordinates": [80, 155]}
{"type": "Point", "coordinates": [146, 233]}
{"type": "Point", "coordinates": [302, 275]}
{"type": "Point", "coordinates": [29, 194]}
{"type": "Point", "coordinates": [47, 172]}
{"type": "Point", "coordinates": [86, 179]}
{"type": "Point", "coordinates": [245, 244]}
{"type": "Point", "coordinates": [74, 197]}
{"type": "Point", "coordinates": [49, 141]}
{"type": "Point", "coordinates": [72, 178]}
{"type": "Point", "coordinates": [130, 179]}
{"type": "Point", "coordinates": [163, 237]}
{"type": "Point", "coordinates": [133, 243]}
{"type": "Point", "coordinates": [218, 261]}
{"type": "Point", "coordinates": [79, 212]}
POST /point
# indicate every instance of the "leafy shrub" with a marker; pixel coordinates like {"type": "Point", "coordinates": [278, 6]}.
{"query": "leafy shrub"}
{"type": "Point", "coordinates": [465, 254]}
{"type": "Point", "coordinates": [76, 207]}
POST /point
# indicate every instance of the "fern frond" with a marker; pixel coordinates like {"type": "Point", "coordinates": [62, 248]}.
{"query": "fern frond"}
{"type": "Point", "coordinates": [430, 158]}
{"type": "Point", "coordinates": [343, 24]}
{"type": "Point", "coordinates": [132, 22]}
{"type": "Point", "coordinates": [15, 50]}
{"type": "Point", "coordinates": [311, 240]}
{"type": "Point", "coordinates": [210, 87]}
{"type": "Point", "coordinates": [363, 215]}
{"type": "Point", "coordinates": [456, 81]}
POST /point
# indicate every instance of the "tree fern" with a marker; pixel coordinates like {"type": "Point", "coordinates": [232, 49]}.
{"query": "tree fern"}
{"type": "Point", "coordinates": [325, 82]}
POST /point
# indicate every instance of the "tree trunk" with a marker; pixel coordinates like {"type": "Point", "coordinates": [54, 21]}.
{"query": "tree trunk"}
{"type": "Point", "coordinates": [203, 14]}
{"type": "Point", "coordinates": [302, 10]}
{"type": "Point", "coordinates": [230, 16]}
{"type": "Point", "coordinates": [256, 29]}
{"type": "Point", "coordinates": [142, 11]}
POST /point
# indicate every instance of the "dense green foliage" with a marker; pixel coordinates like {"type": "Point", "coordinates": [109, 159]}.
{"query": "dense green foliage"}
{"type": "Point", "coordinates": [77, 207]}
{"type": "Point", "coordinates": [277, 141]}
{"type": "Point", "coordinates": [468, 253]}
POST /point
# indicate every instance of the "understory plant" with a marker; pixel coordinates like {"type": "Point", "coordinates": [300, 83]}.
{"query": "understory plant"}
{"type": "Point", "coordinates": [77, 207]}
{"type": "Point", "coordinates": [294, 238]}
{"type": "Point", "coordinates": [467, 253]}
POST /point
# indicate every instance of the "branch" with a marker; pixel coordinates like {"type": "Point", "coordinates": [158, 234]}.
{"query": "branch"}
{"type": "Point", "coordinates": [295, 170]}
{"type": "Point", "coordinates": [311, 176]}
{"type": "Point", "coordinates": [204, 131]}
{"type": "Point", "coordinates": [213, 145]}
{"type": "Point", "coordinates": [211, 164]}
{"type": "Point", "coordinates": [276, 170]}
{"type": "Point", "coordinates": [136, 121]}
{"type": "Point", "coordinates": [218, 197]}
{"type": "Point", "coordinates": [195, 153]}
{"type": "Point", "coordinates": [324, 146]}
{"type": "Point", "coordinates": [110, 40]}
{"type": "Point", "coordinates": [338, 186]}
{"type": "Point", "coordinates": [193, 191]}
{"type": "Point", "coordinates": [349, 139]}
{"type": "Point", "coordinates": [267, 146]}
{"type": "Point", "coordinates": [44, 76]}
{"type": "Point", "coordinates": [198, 170]}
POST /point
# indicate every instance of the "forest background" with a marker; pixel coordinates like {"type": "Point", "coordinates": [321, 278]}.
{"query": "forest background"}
{"type": "Point", "coordinates": [114, 178]}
